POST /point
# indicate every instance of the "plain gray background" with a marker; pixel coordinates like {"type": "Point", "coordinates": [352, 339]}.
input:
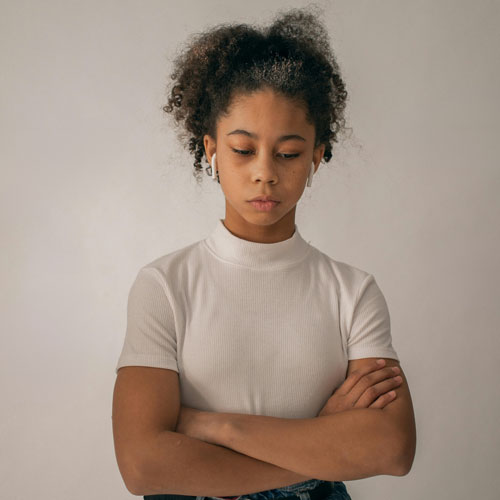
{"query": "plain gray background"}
{"type": "Point", "coordinates": [94, 185]}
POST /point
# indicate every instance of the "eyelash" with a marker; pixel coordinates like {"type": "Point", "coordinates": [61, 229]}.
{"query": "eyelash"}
{"type": "Point", "coordinates": [285, 155]}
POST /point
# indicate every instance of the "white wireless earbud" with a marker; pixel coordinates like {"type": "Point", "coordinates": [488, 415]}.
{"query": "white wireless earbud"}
{"type": "Point", "coordinates": [310, 178]}
{"type": "Point", "coordinates": [214, 175]}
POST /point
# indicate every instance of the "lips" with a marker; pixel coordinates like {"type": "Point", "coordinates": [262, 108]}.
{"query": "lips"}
{"type": "Point", "coordinates": [264, 198]}
{"type": "Point", "coordinates": [264, 206]}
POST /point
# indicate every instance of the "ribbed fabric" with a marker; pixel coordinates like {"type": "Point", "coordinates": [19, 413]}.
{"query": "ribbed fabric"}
{"type": "Point", "coordinates": [255, 328]}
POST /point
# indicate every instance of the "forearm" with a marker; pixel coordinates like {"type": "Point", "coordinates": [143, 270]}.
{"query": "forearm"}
{"type": "Point", "coordinates": [179, 464]}
{"type": "Point", "coordinates": [344, 446]}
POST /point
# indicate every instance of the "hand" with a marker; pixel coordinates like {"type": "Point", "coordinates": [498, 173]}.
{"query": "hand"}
{"type": "Point", "coordinates": [366, 388]}
{"type": "Point", "coordinates": [189, 422]}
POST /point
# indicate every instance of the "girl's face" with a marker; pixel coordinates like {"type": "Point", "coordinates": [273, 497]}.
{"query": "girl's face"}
{"type": "Point", "coordinates": [264, 146]}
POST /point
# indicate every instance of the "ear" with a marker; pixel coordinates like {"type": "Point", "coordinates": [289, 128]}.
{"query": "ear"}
{"type": "Point", "coordinates": [209, 145]}
{"type": "Point", "coordinates": [318, 153]}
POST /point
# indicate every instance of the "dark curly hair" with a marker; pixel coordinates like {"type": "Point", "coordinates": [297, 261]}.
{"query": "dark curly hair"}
{"type": "Point", "coordinates": [292, 56]}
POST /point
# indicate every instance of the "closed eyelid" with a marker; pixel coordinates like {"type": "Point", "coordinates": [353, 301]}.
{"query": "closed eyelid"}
{"type": "Point", "coordinates": [238, 150]}
{"type": "Point", "coordinates": [247, 152]}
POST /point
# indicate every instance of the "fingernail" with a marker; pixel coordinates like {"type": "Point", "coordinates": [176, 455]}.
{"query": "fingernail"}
{"type": "Point", "coordinates": [380, 361]}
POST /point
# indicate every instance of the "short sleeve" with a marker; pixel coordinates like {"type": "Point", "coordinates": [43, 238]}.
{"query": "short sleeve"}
{"type": "Point", "coordinates": [150, 338]}
{"type": "Point", "coordinates": [370, 333]}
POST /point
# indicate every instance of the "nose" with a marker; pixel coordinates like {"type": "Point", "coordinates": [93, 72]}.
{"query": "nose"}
{"type": "Point", "coordinates": [264, 170]}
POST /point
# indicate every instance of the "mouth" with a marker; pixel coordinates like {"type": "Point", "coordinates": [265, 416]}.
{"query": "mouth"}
{"type": "Point", "coordinates": [264, 198]}
{"type": "Point", "coordinates": [264, 206]}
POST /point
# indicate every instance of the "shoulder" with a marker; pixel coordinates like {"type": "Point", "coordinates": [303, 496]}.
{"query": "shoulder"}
{"type": "Point", "coordinates": [348, 276]}
{"type": "Point", "coordinates": [174, 266]}
{"type": "Point", "coordinates": [167, 275]}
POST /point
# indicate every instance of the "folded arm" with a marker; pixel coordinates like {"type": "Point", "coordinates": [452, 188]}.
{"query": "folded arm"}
{"type": "Point", "coordinates": [153, 459]}
{"type": "Point", "coordinates": [349, 445]}
{"type": "Point", "coordinates": [182, 465]}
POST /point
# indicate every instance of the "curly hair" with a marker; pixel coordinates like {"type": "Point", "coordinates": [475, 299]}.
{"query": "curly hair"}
{"type": "Point", "coordinates": [292, 56]}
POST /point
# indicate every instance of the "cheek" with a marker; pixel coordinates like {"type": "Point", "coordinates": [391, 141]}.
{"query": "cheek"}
{"type": "Point", "coordinates": [296, 176]}
{"type": "Point", "coordinates": [236, 180]}
{"type": "Point", "coordinates": [232, 183]}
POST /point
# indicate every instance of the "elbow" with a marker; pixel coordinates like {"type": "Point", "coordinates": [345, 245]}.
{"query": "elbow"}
{"type": "Point", "coordinates": [139, 485]}
{"type": "Point", "coordinates": [146, 478]}
{"type": "Point", "coordinates": [133, 480]}
{"type": "Point", "coordinates": [134, 488]}
{"type": "Point", "coordinates": [402, 466]}
{"type": "Point", "coordinates": [137, 482]}
{"type": "Point", "coordinates": [131, 471]}
{"type": "Point", "coordinates": [404, 456]}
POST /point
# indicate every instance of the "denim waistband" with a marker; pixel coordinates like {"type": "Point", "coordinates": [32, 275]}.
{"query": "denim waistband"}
{"type": "Point", "coordinates": [300, 490]}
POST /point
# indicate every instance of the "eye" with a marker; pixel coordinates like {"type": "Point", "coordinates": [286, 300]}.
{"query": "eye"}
{"type": "Point", "coordinates": [241, 152]}
{"type": "Point", "coordinates": [284, 155]}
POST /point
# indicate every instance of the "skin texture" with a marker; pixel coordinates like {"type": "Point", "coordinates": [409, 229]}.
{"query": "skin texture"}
{"type": "Point", "coordinates": [263, 169]}
{"type": "Point", "coordinates": [362, 440]}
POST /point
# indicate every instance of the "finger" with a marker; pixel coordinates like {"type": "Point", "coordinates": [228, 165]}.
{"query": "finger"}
{"type": "Point", "coordinates": [361, 384]}
{"type": "Point", "coordinates": [354, 377]}
{"type": "Point", "coordinates": [383, 400]}
{"type": "Point", "coordinates": [374, 391]}
{"type": "Point", "coordinates": [371, 379]}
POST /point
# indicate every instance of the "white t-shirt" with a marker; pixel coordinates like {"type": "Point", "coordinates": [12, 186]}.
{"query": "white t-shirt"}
{"type": "Point", "coordinates": [254, 328]}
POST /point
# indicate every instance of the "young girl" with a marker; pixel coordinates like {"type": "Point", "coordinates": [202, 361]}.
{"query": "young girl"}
{"type": "Point", "coordinates": [270, 345]}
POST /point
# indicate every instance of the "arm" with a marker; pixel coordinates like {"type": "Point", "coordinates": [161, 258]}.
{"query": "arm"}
{"type": "Point", "coordinates": [153, 459]}
{"type": "Point", "coordinates": [182, 465]}
{"type": "Point", "coordinates": [352, 444]}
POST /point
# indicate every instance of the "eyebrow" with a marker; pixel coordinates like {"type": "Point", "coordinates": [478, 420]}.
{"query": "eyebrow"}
{"type": "Point", "coordinates": [255, 136]}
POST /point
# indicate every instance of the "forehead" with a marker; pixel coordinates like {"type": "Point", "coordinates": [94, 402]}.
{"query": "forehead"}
{"type": "Point", "coordinates": [265, 109]}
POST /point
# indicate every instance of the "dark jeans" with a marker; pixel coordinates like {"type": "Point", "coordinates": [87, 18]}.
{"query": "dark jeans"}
{"type": "Point", "coordinates": [301, 490]}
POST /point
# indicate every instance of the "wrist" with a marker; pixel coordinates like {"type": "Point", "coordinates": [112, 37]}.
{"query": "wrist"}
{"type": "Point", "coordinates": [215, 427]}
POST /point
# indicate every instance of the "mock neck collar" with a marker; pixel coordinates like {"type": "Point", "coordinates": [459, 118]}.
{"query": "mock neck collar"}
{"type": "Point", "coordinates": [229, 247]}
